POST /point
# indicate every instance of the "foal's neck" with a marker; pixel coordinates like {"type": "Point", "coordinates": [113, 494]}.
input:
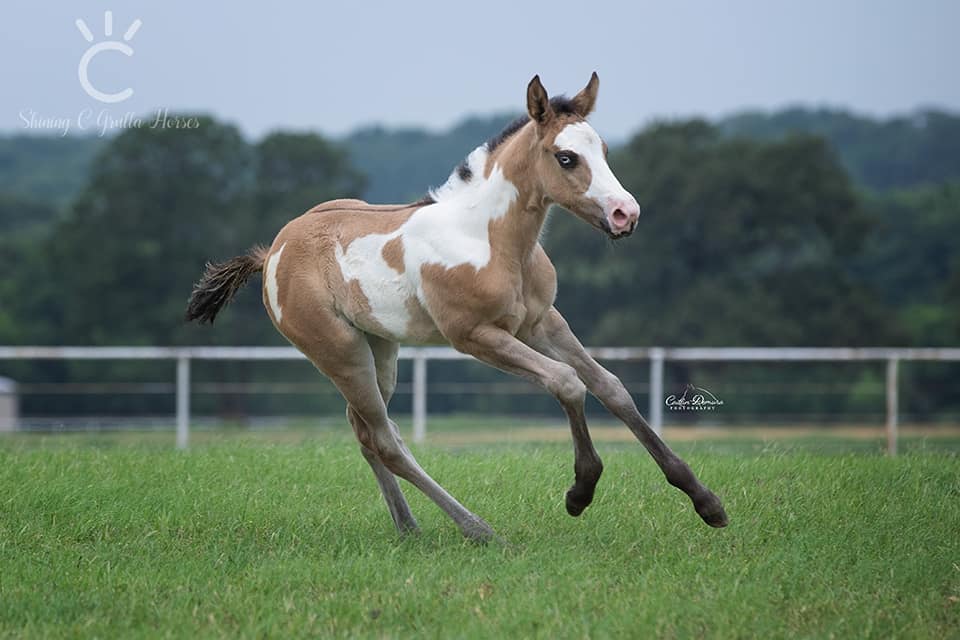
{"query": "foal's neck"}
{"type": "Point", "coordinates": [519, 230]}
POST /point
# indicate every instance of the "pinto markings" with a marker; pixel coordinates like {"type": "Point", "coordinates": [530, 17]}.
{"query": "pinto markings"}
{"type": "Point", "coordinates": [273, 292]}
{"type": "Point", "coordinates": [451, 232]}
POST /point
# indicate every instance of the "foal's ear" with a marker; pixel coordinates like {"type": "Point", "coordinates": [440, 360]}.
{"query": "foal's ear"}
{"type": "Point", "coordinates": [538, 104]}
{"type": "Point", "coordinates": [584, 101]}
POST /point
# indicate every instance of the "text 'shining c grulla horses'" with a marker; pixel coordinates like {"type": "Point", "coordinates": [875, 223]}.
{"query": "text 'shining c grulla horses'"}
{"type": "Point", "coordinates": [347, 281]}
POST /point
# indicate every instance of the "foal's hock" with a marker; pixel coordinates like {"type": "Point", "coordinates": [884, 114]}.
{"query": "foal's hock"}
{"type": "Point", "coordinates": [348, 281]}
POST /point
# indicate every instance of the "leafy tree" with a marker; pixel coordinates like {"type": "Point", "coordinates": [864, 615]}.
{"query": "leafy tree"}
{"type": "Point", "coordinates": [904, 151]}
{"type": "Point", "coordinates": [295, 172]}
{"type": "Point", "coordinates": [402, 164]}
{"type": "Point", "coordinates": [161, 202]}
{"type": "Point", "coordinates": [911, 258]}
{"type": "Point", "coordinates": [50, 169]}
{"type": "Point", "coordinates": [741, 243]}
{"type": "Point", "coordinates": [158, 202]}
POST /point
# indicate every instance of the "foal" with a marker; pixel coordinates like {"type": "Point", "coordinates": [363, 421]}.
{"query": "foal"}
{"type": "Point", "coordinates": [347, 281]}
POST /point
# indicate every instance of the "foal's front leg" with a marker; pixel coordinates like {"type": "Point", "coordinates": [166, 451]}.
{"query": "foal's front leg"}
{"type": "Point", "coordinates": [553, 337]}
{"type": "Point", "coordinates": [502, 350]}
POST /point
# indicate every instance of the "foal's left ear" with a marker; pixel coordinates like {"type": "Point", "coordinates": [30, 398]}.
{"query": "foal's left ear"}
{"type": "Point", "coordinates": [584, 101]}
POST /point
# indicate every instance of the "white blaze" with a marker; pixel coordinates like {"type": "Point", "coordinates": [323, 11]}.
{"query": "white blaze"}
{"type": "Point", "coordinates": [581, 138]}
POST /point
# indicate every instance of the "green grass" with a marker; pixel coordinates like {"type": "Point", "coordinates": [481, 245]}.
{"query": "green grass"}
{"type": "Point", "coordinates": [285, 540]}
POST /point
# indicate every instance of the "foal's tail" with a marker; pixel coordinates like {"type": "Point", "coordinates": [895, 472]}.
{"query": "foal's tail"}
{"type": "Point", "coordinates": [220, 282]}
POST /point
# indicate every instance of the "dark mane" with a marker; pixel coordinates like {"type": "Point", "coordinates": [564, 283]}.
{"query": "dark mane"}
{"type": "Point", "coordinates": [561, 104]}
{"type": "Point", "coordinates": [508, 131]}
{"type": "Point", "coordinates": [424, 201]}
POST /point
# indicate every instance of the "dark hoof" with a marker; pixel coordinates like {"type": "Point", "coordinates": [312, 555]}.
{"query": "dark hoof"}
{"type": "Point", "coordinates": [478, 531]}
{"type": "Point", "coordinates": [577, 502]}
{"type": "Point", "coordinates": [711, 510]}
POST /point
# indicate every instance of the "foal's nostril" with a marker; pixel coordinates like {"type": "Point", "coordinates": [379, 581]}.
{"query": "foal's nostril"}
{"type": "Point", "coordinates": [619, 217]}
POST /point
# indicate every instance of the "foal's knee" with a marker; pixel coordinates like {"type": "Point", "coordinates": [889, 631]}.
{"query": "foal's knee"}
{"type": "Point", "coordinates": [612, 393]}
{"type": "Point", "coordinates": [389, 448]}
{"type": "Point", "coordinates": [567, 387]}
{"type": "Point", "coordinates": [360, 429]}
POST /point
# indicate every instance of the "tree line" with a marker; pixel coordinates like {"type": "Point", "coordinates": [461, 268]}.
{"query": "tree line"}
{"type": "Point", "coordinates": [798, 228]}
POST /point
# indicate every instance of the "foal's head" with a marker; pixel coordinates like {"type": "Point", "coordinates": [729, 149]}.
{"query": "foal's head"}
{"type": "Point", "coordinates": [571, 160]}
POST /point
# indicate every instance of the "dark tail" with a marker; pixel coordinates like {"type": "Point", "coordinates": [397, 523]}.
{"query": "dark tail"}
{"type": "Point", "coordinates": [220, 282]}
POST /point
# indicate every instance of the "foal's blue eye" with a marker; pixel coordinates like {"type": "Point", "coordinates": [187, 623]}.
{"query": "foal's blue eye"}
{"type": "Point", "coordinates": [566, 159]}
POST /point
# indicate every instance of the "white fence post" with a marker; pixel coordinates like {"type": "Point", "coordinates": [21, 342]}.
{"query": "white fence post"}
{"type": "Point", "coordinates": [419, 396]}
{"type": "Point", "coordinates": [8, 405]}
{"type": "Point", "coordinates": [892, 371]}
{"type": "Point", "coordinates": [656, 390]}
{"type": "Point", "coordinates": [183, 401]}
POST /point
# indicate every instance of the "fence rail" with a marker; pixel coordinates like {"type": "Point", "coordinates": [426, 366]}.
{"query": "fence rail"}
{"type": "Point", "coordinates": [656, 356]}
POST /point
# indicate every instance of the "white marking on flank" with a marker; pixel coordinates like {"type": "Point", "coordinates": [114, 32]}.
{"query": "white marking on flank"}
{"type": "Point", "coordinates": [273, 293]}
{"type": "Point", "coordinates": [581, 138]}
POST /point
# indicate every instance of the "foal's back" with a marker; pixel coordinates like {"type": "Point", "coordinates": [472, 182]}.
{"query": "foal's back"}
{"type": "Point", "coordinates": [342, 258]}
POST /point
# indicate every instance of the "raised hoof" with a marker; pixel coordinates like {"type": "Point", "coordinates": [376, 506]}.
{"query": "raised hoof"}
{"type": "Point", "coordinates": [711, 510]}
{"type": "Point", "coordinates": [576, 502]}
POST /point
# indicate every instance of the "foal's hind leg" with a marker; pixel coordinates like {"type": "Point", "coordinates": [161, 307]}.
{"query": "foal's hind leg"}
{"type": "Point", "coordinates": [385, 359]}
{"type": "Point", "coordinates": [383, 438]}
{"type": "Point", "coordinates": [344, 356]}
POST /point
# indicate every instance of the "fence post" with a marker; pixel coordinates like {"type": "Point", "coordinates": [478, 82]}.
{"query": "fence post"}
{"type": "Point", "coordinates": [183, 401]}
{"type": "Point", "coordinates": [8, 405]}
{"type": "Point", "coordinates": [656, 390]}
{"type": "Point", "coordinates": [892, 371]}
{"type": "Point", "coordinates": [419, 396]}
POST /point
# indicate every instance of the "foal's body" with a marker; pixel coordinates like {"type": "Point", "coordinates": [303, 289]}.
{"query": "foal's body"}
{"type": "Point", "coordinates": [347, 281]}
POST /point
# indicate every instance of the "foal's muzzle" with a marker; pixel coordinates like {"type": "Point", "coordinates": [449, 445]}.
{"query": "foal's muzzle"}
{"type": "Point", "coordinates": [617, 235]}
{"type": "Point", "coordinates": [620, 216]}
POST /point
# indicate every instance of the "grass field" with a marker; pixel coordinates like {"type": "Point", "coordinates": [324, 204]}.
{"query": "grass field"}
{"type": "Point", "coordinates": [290, 539]}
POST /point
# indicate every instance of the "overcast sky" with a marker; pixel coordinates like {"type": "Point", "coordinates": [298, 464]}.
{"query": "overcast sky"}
{"type": "Point", "coordinates": [333, 67]}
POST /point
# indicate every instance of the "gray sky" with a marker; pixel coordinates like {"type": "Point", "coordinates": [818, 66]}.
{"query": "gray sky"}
{"type": "Point", "coordinates": [333, 67]}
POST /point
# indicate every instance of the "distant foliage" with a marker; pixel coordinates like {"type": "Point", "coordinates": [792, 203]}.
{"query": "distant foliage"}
{"type": "Point", "coordinates": [802, 227]}
{"type": "Point", "coordinates": [118, 265]}
{"type": "Point", "coordinates": [402, 164]}
{"type": "Point", "coordinates": [740, 243]}
{"type": "Point", "coordinates": [50, 169]}
{"type": "Point", "coordinates": [922, 148]}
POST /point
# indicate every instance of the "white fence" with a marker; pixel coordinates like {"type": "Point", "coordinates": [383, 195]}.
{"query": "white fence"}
{"type": "Point", "coordinates": [421, 355]}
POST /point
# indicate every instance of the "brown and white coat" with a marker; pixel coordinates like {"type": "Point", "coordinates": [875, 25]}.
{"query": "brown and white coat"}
{"type": "Point", "coordinates": [348, 281]}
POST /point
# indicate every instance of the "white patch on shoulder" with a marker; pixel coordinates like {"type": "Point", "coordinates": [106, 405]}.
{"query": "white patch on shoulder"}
{"type": "Point", "coordinates": [450, 232]}
{"type": "Point", "coordinates": [455, 230]}
{"type": "Point", "coordinates": [273, 293]}
{"type": "Point", "coordinates": [583, 140]}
